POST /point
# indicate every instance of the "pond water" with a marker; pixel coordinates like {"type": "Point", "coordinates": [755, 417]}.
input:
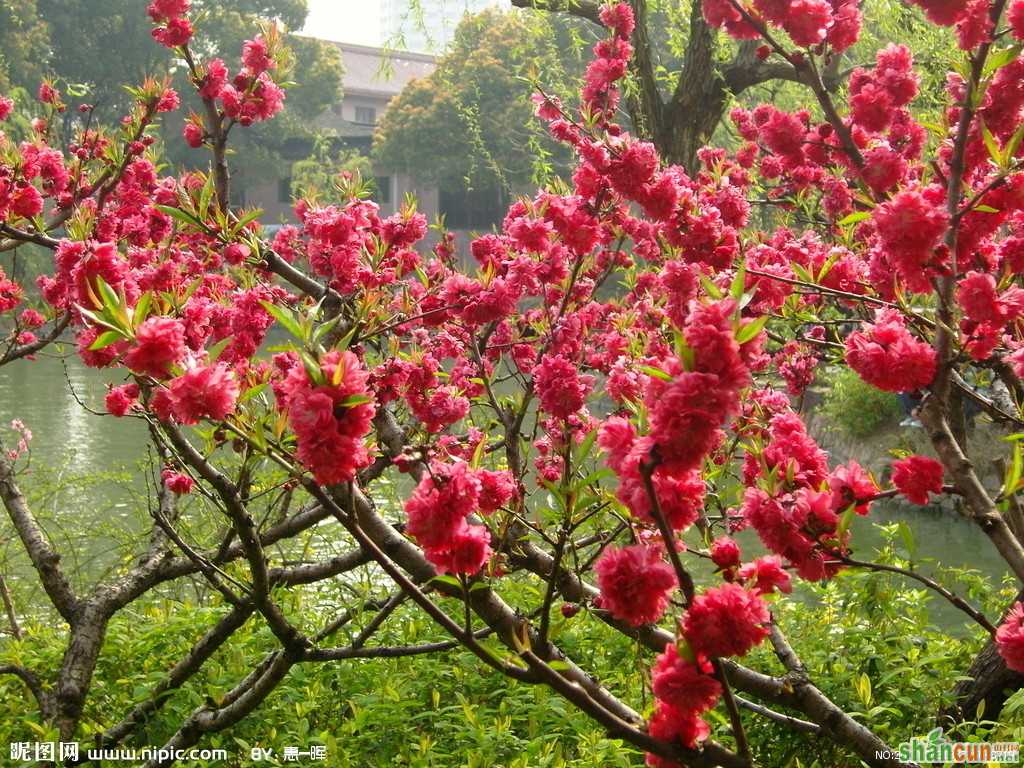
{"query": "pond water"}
{"type": "Point", "coordinates": [88, 478]}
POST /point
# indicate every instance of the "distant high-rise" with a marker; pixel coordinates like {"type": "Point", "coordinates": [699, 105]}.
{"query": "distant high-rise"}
{"type": "Point", "coordinates": [426, 25]}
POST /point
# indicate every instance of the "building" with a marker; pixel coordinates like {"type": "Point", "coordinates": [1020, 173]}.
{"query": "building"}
{"type": "Point", "coordinates": [426, 25]}
{"type": "Point", "coordinates": [373, 76]}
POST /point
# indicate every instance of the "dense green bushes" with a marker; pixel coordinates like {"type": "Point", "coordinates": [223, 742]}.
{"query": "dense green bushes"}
{"type": "Point", "coordinates": [856, 408]}
{"type": "Point", "coordinates": [866, 638]}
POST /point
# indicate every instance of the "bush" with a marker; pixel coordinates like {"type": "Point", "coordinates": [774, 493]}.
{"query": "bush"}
{"type": "Point", "coordinates": [856, 408]}
{"type": "Point", "coordinates": [867, 639]}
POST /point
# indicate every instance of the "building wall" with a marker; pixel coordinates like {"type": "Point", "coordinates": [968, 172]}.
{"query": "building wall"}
{"type": "Point", "coordinates": [372, 78]}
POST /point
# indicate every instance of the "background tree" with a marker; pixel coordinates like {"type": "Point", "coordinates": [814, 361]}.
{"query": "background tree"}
{"type": "Point", "coordinates": [617, 375]}
{"type": "Point", "coordinates": [469, 126]}
{"type": "Point", "coordinates": [24, 49]}
{"type": "Point", "coordinates": [79, 28]}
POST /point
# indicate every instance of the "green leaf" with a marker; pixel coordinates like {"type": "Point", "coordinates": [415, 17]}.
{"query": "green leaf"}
{"type": "Point", "coordinates": [285, 318]}
{"type": "Point", "coordinates": [141, 310]}
{"type": "Point", "coordinates": [992, 145]}
{"type": "Point", "coordinates": [710, 288]}
{"type": "Point", "coordinates": [657, 373]}
{"type": "Point", "coordinates": [179, 214]}
{"type": "Point", "coordinates": [583, 449]}
{"type": "Point", "coordinates": [985, 209]}
{"type": "Point", "coordinates": [107, 294]}
{"type": "Point", "coordinates": [907, 535]}
{"type": "Point", "coordinates": [1013, 144]}
{"type": "Point", "coordinates": [854, 218]}
{"type": "Point", "coordinates": [751, 329]}
{"type": "Point", "coordinates": [105, 339]}
{"type": "Point", "coordinates": [864, 688]}
{"type": "Point", "coordinates": [448, 580]}
{"type": "Point", "coordinates": [96, 319]}
{"type": "Point", "coordinates": [252, 392]}
{"type": "Point", "coordinates": [829, 263]}
{"type": "Point", "coordinates": [844, 522]}
{"type": "Point", "coordinates": [739, 283]}
{"type": "Point", "coordinates": [478, 454]}
{"type": "Point", "coordinates": [346, 340]}
{"type": "Point", "coordinates": [246, 218]}
{"type": "Point", "coordinates": [1013, 473]}
{"type": "Point", "coordinates": [1001, 58]}
{"type": "Point", "coordinates": [353, 400]}
{"type": "Point", "coordinates": [801, 273]}
{"type": "Point", "coordinates": [217, 349]}
{"type": "Point", "coordinates": [324, 328]}
{"type": "Point", "coordinates": [312, 367]}
{"type": "Point", "coordinates": [205, 196]}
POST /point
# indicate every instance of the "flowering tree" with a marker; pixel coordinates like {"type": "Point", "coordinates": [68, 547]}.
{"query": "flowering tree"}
{"type": "Point", "coordinates": [641, 292]}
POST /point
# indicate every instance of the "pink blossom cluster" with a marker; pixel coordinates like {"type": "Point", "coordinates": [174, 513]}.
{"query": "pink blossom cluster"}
{"type": "Point", "coordinates": [331, 410]}
{"type": "Point", "coordinates": [439, 508]}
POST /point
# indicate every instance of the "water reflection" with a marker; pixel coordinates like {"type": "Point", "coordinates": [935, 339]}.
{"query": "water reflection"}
{"type": "Point", "coordinates": [85, 478]}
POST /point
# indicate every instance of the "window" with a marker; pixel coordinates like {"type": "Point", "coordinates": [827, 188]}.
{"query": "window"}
{"type": "Point", "coordinates": [284, 190]}
{"type": "Point", "coordinates": [382, 194]}
{"type": "Point", "coordinates": [366, 116]}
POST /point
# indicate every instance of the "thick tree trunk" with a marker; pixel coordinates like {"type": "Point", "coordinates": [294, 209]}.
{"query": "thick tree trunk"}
{"type": "Point", "coordinates": [988, 685]}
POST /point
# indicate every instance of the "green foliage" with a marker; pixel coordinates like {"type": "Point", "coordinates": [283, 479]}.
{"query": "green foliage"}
{"type": "Point", "coordinates": [317, 176]}
{"type": "Point", "coordinates": [23, 45]}
{"type": "Point", "coordinates": [470, 122]}
{"type": "Point", "coordinates": [440, 710]}
{"type": "Point", "coordinates": [79, 28]}
{"type": "Point", "coordinates": [868, 641]}
{"type": "Point", "coordinates": [858, 409]}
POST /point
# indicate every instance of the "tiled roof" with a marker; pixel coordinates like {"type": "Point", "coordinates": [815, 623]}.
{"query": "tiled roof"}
{"type": "Point", "coordinates": [381, 71]}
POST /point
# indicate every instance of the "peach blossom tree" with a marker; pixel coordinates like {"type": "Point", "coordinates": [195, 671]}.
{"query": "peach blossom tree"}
{"type": "Point", "coordinates": [595, 400]}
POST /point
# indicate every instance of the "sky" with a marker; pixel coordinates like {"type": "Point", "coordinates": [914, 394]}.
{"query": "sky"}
{"type": "Point", "coordinates": [346, 21]}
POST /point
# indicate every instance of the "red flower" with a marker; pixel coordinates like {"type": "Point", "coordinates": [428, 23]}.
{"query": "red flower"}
{"type": "Point", "coordinates": [766, 574]}
{"type": "Point", "coordinates": [330, 419]}
{"type": "Point", "coordinates": [618, 17]}
{"type": "Point", "coordinates": [177, 482]}
{"type": "Point", "coordinates": [26, 201]}
{"type": "Point", "coordinates": [119, 400]}
{"type": "Point", "coordinates": [684, 685]}
{"type": "Point", "coordinates": [177, 32]}
{"type": "Point", "coordinates": [159, 344]}
{"type": "Point", "coordinates": [669, 724]}
{"type": "Point", "coordinates": [255, 56]}
{"type": "Point", "coordinates": [725, 553]}
{"type": "Point", "coordinates": [807, 21]}
{"type": "Point", "coordinates": [438, 508]}
{"type": "Point", "coordinates": [635, 583]}
{"type": "Point", "coordinates": [1015, 16]}
{"type": "Point", "coordinates": [560, 387]}
{"type": "Point", "coordinates": [851, 484]}
{"type": "Point", "coordinates": [910, 227]}
{"type": "Point", "coordinates": [887, 356]}
{"type": "Point", "coordinates": [942, 12]}
{"type": "Point", "coordinates": [193, 134]}
{"type": "Point", "coordinates": [497, 488]}
{"type": "Point", "coordinates": [466, 552]}
{"type": "Point", "coordinates": [915, 476]}
{"type": "Point", "coordinates": [1010, 638]}
{"type": "Point", "coordinates": [10, 293]}
{"type": "Point", "coordinates": [207, 392]}
{"type": "Point", "coordinates": [162, 10]}
{"type": "Point", "coordinates": [726, 621]}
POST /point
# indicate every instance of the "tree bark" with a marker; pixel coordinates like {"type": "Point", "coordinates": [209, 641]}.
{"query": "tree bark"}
{"type": "Point", "coordinates": [989, 684]}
